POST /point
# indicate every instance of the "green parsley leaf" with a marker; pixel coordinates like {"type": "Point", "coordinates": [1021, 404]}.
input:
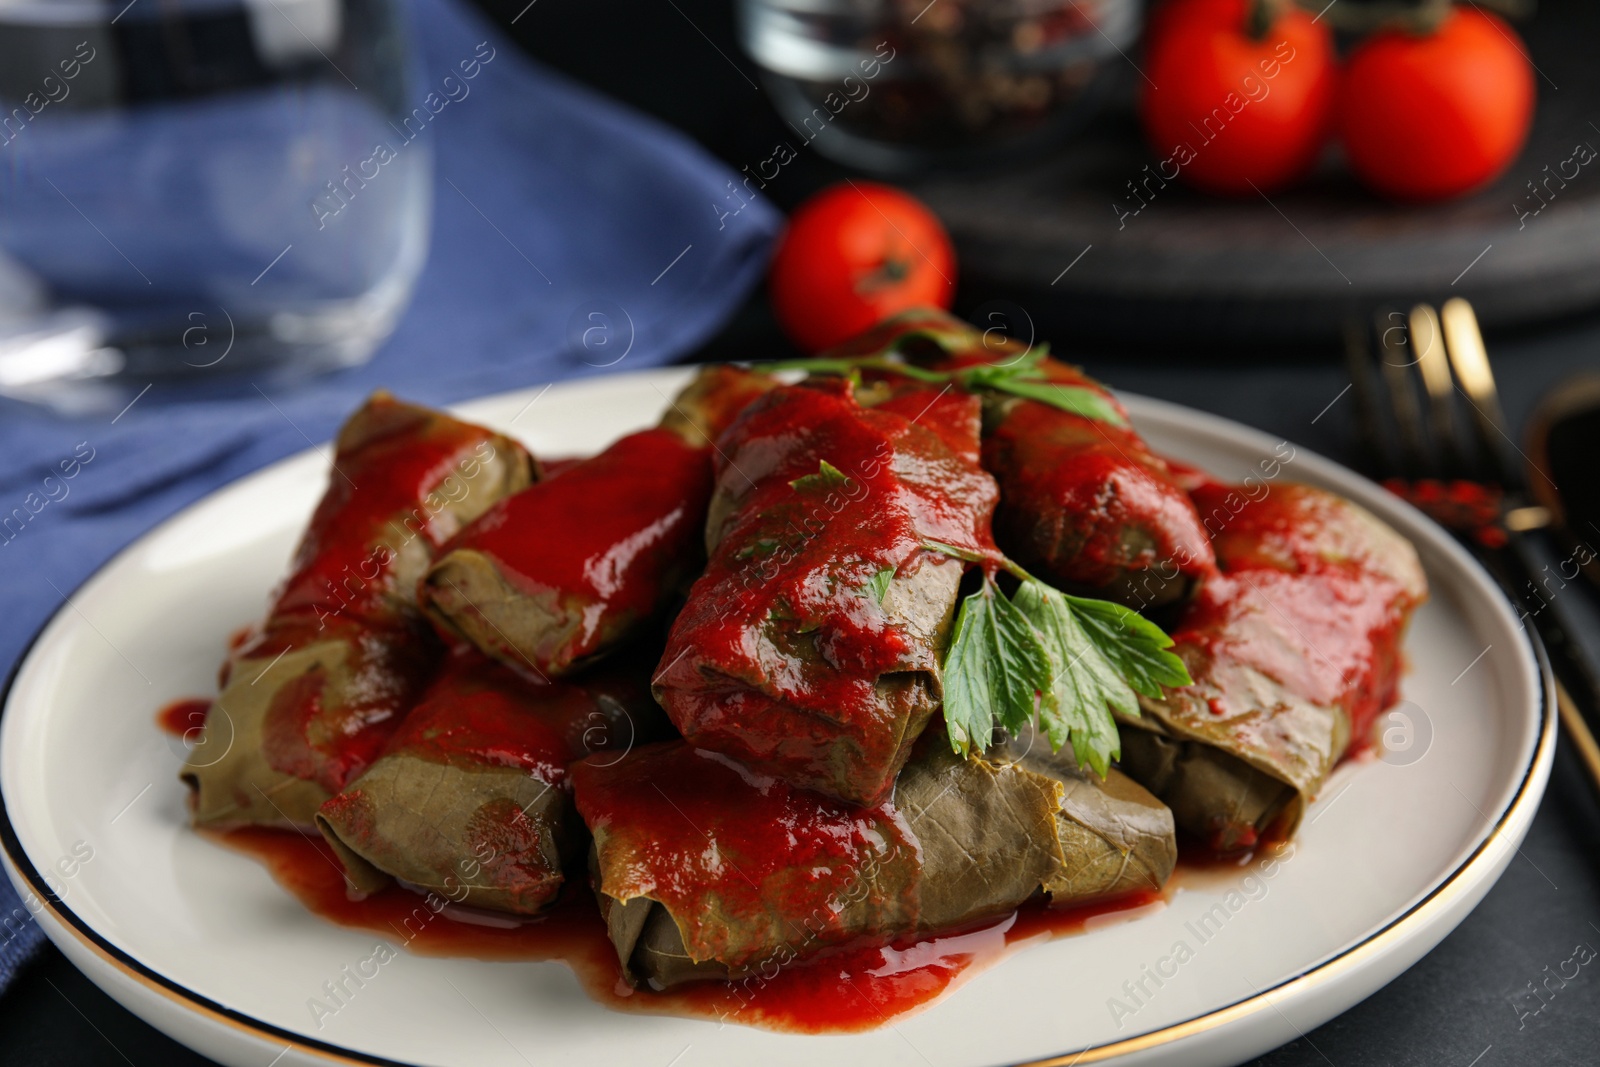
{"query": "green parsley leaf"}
{"type": "Point", "coordinates": [1086, 659]}
{"type": "Point", "coordinates": [855, 365]}
{"type": "Point", "coordinates": [1015, 374]}
{"type": "Point", "coordinates": [761, 546]}
{"type": "Point", "coordinates": [1083, 688]}
{"type": "Point", "coordinates": [827, 478]}
{"type": "Point", "coordinates": [1070, 398]}
{"type": "Point", "coordinates": [991, 670]}
{"type": "Point", "coordinates": [878, 583]}
{"type": "Point", "coordinates": [1021, 365]}
{"type": "Point", "coordinates": [1136, 647]}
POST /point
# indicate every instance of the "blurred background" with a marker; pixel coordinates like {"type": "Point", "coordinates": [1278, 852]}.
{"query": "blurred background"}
{"type": "Point", "coordinates": [1215, 268]}
{"type": "Point", "coordinates": [222, 222]}
{"type": "Point", "coordinates": [210, 168]}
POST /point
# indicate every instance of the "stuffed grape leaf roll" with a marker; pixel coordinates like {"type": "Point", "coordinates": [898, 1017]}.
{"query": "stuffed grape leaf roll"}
{"type": "Point", "coordinates": [1294, 648]}
{"type": "Point", "coordinates": [468, 799]}
{"type": "Point", "coordinates": [557, 574]}
{"type": "Point", "coordinates": [706, 870]}
{"type": "Point", "coordinates": [810, 648]}
{"type": "Point", "coordinates": [309, 700]}
{"type": "Point", "coordinates": [1084, 502]}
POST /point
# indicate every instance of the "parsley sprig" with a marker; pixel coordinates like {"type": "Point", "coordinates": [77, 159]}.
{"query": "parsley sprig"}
{"type": "Point", "coordinates": [827, 478]}
{"type": "Point", "coordinates": [1020, 376]}
{"type": "Point", "coordinates": [1070, 662]}
{"type": "Point", "coordinates": [878, 583]}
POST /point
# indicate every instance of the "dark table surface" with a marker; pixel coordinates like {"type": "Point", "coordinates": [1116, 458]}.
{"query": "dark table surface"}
{"type": "Point", "coordinates": [1465, 1005]}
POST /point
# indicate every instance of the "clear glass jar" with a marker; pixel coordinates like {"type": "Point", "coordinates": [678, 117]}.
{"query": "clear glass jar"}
{"type": "Point", "coordinates": [899, 85]}
{"type": "Point", "coordinates": [190, 188]}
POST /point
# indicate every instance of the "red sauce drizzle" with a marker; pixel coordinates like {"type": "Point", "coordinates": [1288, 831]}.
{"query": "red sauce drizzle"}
{"type": "Point", "coordinates": [559, 465]}
{"type": "Point", "coordinates": [777, 848]}
{"type": "Point", "coordinates": [1304, 599]}
{"type": "Point", "coordinates": [864, 988]}
{"type": "Point", "coordinates": [850, 990]}
{"type": "Point", "coordinates": [477, 713]}
{"type": "Point", "coordinates": [410, 464]}
{"type": "Point", "coordinates": [400, 474]}
{"type": "Point", "coordinates": [609, 540]}
{"type": "Point", "coordinates": [1199, 864]}
{"type": "Point", "coordinates": [774, 658]}
{"type": "Point", "coordinates": [1072, 487]}
{"type": "Point", "coordinates": [183, 718]}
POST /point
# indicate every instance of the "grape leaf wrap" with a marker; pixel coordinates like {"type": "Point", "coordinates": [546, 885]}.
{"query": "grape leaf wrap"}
{"type": "Point", "coordinates": [312, 695]}
{"type": "Point", "coordinates": [1294, 649]}
{"type": "Point", "coordinates": [785, 655]}
{"type": "Point", "coordinates": [705, 870]}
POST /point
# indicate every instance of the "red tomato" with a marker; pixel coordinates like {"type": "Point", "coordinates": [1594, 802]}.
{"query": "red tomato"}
{"type": "Point", "coordinates": [853, 255]}
{"type": "Point", "coordinates": [1230, 113]}
{"type": "Point", "coordinates": [1429, 117]}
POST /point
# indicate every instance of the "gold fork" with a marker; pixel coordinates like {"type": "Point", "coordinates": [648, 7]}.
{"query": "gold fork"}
{"type": "Point", "coordinates": [1471, 487]}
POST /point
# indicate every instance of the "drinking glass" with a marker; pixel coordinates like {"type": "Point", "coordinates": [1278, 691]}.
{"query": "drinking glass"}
{"type": "Point", "coordinates": [190, 189]}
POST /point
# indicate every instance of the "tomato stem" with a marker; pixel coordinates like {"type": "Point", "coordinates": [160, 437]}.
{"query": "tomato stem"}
{"type": "Point", "coordinates": [891, 272]}
{"type": "Point", "coordinates": [1258, 22]}
{"type": "Point", "coordinates": [1419, 17]}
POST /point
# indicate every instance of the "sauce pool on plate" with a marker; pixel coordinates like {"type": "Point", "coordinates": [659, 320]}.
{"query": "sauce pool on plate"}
{"type": "Point", "coordinates": [850, 990]}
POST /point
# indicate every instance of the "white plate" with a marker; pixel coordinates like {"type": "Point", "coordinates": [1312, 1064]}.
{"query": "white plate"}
{"type": "Point", "coordinates": [204, 945]}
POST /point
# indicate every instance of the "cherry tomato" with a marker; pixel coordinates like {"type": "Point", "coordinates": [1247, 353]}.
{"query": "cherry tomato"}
{"type": "Point", "coordinates": [1231, 112]}
{"type": "Point", "coordinates": [1433, 116]}
{"type": "Point", "coordinates": [853, 255]}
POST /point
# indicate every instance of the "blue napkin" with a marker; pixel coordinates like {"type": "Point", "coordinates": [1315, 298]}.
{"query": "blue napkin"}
{"type": "Point", "coordinates": [617, 212]}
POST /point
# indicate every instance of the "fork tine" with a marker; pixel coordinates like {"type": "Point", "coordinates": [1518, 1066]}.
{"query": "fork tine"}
{"type": "Point", "coordinates": [1395, 365]}
{"type": "Point", "coordinates": [1427, 342]}
{"type": "Point", "coordinates": [1370, 432]}
{"type": "Point", "coordinates": [1464, 342]}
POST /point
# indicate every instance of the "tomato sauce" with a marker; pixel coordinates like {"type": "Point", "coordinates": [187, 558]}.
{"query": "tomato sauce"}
{"type": "Point", "coordinates": [1301, 600]}
{"type": "Point", "coordinates": [775, 658]}
{"type": "Point", "coordinates": [1082, 500]}
{"type": "Point", "coordinates": [1456, 505]}
{"type": "Point", "coordinates": [609, 540]}
{"type": "Point", "coordinates": [1201, 867]}
{"type": "Point", "coordinates": [1088, 502]}
{"type": "Point", "coordinates": [183, 718]}
{"type": "Point", "coordinates": [397, 473]}
{"type": "Point", "coordinates": [478, 713]}
{"type": "Point", "coordinates": [864, 988]}
{"type": "Point", "coordinates": [848, 990]}
{"type": "Point", "coordinates": [777, 849]}
{"type": "Point", "coordinates": [401, 474]}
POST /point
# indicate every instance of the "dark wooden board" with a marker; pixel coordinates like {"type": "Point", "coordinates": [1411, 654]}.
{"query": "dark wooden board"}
{"type": "Point", "coordinates": [1191, 267]}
